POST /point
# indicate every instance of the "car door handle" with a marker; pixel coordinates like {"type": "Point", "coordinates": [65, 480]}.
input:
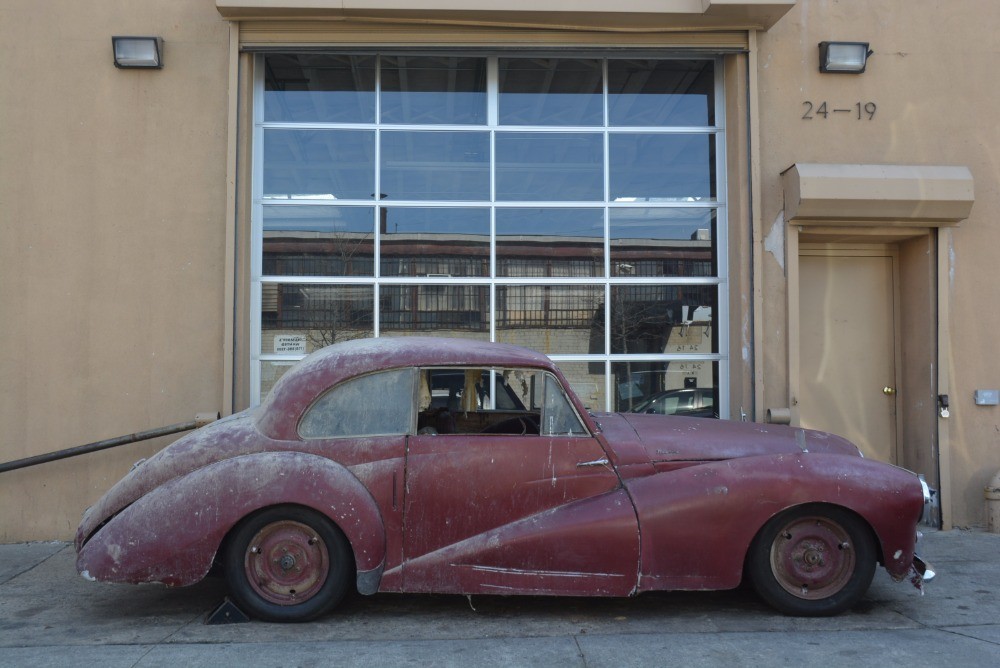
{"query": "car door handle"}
{"type": "Point", "coordinates": [597, 462]}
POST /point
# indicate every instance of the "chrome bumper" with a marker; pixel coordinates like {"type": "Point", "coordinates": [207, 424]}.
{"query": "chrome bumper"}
{"type": "Point", "coordinates": [923, 570]}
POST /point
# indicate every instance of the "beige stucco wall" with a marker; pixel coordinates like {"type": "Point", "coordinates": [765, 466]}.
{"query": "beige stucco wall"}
{"type": "Point", "coordinates": [112, 231]}
{"type": "Point", "coordinates": [930, 79]}
{"type": "Point", "coordinates": [113, 220]}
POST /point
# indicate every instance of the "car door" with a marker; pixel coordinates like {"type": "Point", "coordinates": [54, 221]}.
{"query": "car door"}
{"type": "Point", "coordinates": [518, 498]}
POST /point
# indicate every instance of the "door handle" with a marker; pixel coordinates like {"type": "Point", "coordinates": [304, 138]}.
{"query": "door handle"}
{"type": "Point", "coordinates": [597, 462]}
{"type": "Point", "coordinates": [888, 391]}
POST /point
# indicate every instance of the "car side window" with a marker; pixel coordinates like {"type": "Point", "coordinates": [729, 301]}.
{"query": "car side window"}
{"type": "Point", "coordinates": [558, 416]}
{"type": "Point", "coordinates": [493, 400]}
{"type": "Point", "coordinates": [378, 404]}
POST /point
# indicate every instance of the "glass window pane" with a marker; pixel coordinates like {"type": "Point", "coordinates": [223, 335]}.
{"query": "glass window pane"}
{"type": "Point", "coordinates": [270, 373]}
{"type": "Point", "coordinates": [550, 242]}
{"type": "Point", "coordinates": [566, 319]}
{"type": "Point", "coordinates": [374, 405]}
{"type": "Point", "coordinates": [318, 241]}
{"type": "Point", "coordinates": [436, 166]}
{"type": "Point", "coordinates": [661, 92]}
{"type": "Point", "coordinates": [656, 319]}
{"type": "Point", "coordinates": [298, 318]}
{"type": "Point", "coordinates": [551, 91]}
{"type": "Point", "coordinates": [558, 416]}
{"type": "Point", "coordinates": [441, 242]}
{"type": "Point", "coordinates": [687, 387]}
{"type": "Point", "coordinates": [662, 242]}
{"type": "Point", "coordinates": [446, 310]}
{"type": "Point", "coordinates": [658, 167]}
{"type": "Point", "coordinates": [556, 166]}
{"type": "Point", "coordinates": [319, 87]}
{"type": "Point", "coordinates": [586, 380]}
{"type": "Point", "coordinates": [433, 89]}
{"type": "Point", "coordinates": [319, 164]}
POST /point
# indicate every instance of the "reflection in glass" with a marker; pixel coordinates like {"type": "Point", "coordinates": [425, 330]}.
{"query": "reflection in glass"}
{"type": "Point", "coordinates": [566, 319]}
{"type": "Point", "coordinates": [441, 242]}
{"type": "Point", "coordinates": [318, 315]}
{"type": "Point", "coordinates": [435, 165]}
{"type": "Point", "coordinates": [444, 310]}
{"type": "Point", "coordinates": [662, 242]}
{"type": "Point", "coordinates": [550, 242]}
{"type": "Point", "coordinates": [656, 319]}
{"type": "Point", "coordinates": [319, 87]}
{"type": "Point", "coordinates": [555, 166]}
{"type": "Point", "coordinates": [551, 91]}
{"type": "Point", "coordinates": [319, 164]}
{"type": "Point", "coordinates": [433, 89]}
{"type": "Point", "coordinates": [661, 92]}
{"type": "Point", "coordinates": [652, 167]}
{"type": "Point", "coordinates": [318, 241]}
{"type": "Point", "coordinates": [586, 380]}
{"type": "Point", "coordinates": [683, 387]}
{"type": "Point", "coordinates": [270, 373]}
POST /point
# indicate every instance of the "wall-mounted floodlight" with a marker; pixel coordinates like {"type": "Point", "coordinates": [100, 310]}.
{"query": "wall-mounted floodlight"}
{"type": "Point", "coordinates": [144, 52]}
{"type": "Point", "coordinates": [843, 57]}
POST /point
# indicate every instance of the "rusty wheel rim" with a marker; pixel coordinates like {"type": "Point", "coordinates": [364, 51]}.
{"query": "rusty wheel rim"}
{"type": "Point", "coordinates": [287, 562]}
{"type": "Point", "coordinates": [813, 558]}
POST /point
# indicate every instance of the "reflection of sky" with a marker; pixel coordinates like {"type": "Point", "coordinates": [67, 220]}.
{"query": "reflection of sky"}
{"type": "Point", "coordinates": [674, 224]}
{"type": "Point", "coordinates": [438, 221]}
{"type": "Point", "coordinates": [358, 219]}
{"type": "Point", "coordinates": [550, 222]}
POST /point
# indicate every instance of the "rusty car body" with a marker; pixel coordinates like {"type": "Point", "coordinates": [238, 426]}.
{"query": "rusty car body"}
{"type": "Point", "coordinates": [455, 466]}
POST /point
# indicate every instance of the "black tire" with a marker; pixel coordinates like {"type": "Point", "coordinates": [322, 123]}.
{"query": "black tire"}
{"type": "Point", "coordinates": [287, 564]}
{"type": "Point", "coordinates": [812, 561]}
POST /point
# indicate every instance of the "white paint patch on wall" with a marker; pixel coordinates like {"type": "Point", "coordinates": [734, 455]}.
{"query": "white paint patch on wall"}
{"type": "Point", "coordinates": [774, 242]}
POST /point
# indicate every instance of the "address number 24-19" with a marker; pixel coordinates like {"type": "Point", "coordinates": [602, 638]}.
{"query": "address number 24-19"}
{"type": "Point", "coordinates": [858, 111]}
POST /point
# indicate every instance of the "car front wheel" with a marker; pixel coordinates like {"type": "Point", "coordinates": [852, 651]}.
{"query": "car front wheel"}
{"type": "Point", "coordinates": [812, 561]}
{"type": "Point", "coordinates": [287, 564]}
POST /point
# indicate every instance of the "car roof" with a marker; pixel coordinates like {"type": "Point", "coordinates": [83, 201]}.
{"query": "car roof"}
{"type": "Point", "coordinates": [292, 394]}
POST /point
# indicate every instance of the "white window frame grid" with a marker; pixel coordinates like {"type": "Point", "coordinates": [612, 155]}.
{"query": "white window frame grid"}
{"type": "Point", "coordinates": [720, 319]}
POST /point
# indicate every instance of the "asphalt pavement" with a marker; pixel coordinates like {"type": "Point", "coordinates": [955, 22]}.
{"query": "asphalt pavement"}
{"type": "Point", "coordinates": [50, 616]}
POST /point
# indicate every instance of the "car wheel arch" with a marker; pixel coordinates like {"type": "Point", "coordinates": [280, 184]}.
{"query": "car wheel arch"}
{"type": "Point", "coordinates": [818, 505]}
{"type": "Point", "coordinates": [321, 485]}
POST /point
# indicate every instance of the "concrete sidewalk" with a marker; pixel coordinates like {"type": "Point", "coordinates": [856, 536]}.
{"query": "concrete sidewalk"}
{"type": "Point", "coordinates": [49, 616]}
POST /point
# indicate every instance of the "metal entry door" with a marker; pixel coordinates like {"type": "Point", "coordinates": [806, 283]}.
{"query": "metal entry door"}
{"type": "Point", "coordinates": [847, 344]}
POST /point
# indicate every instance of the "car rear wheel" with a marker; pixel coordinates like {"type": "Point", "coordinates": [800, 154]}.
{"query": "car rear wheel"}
{"type": "Point", "coordinates": [812, 561]}
{"type": "Point", "coordinates": [287, 564]}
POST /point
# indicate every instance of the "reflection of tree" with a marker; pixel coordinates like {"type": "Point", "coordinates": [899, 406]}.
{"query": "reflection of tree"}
{"type": "Point", "coordinates": [643, 317]}
{"type": "Point", "coordinates": [326, 313]}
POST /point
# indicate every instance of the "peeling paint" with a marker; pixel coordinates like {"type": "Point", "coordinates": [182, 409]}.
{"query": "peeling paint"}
{"type": "Point", "coordinates": [774, 243]}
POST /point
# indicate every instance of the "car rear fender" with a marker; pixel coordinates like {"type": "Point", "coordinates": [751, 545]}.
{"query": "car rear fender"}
{"type": "Point", "coordinates": [698, 520]}
{"type": "Point", "coordinates": [172, 534]}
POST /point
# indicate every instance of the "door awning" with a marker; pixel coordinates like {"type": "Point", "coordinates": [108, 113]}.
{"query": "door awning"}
{"type": "Point", "coordinates": [905, 195]}
{"type": "Point", "coordinates": [624, 15]}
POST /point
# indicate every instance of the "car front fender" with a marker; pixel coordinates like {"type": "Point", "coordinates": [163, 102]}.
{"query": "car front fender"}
{"type": "Point", "coordinates": [698, 520]}
{"type": "Point", "coordinates": [172, 534]}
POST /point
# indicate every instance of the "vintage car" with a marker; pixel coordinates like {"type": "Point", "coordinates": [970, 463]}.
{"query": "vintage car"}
{"type": "Point", "coordinates": [454, 466]}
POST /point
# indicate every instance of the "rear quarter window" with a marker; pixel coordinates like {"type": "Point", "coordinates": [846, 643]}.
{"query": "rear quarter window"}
{"type": "Point", "coordinates": [378, 404]}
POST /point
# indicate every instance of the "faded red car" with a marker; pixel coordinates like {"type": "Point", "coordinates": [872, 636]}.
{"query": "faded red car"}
{"type": "Point", "coordinates": [453, 466]}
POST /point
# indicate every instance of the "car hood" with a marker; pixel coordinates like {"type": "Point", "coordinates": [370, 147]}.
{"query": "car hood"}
{"type": "Point", "coordinates": [228, 437]}
{"type": "Point", "coordinates": [671, 438]}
